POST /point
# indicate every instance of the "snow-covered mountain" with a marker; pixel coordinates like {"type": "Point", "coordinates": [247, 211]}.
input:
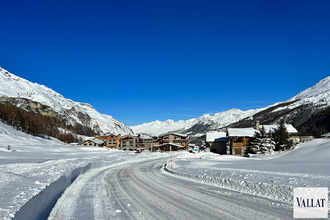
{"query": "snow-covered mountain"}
{"type": "Point", "coordinates": [308, 107]}
{"type": "Point", "coordinates": [319, 94]}
{"type": "Point", "coordinates": [157, 127]}
{"type": "Point", "coordinates": [28, 95]}
{"type": "Point", "coordinates": [215, 121]}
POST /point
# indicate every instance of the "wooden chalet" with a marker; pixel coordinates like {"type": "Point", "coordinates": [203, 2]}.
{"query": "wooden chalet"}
{"type": "Point", "coordinates": [239, 139]}
{"type": "Point", "coordinates": [111, 141]}
{"type": "Point", "coordinates": [170, 142]}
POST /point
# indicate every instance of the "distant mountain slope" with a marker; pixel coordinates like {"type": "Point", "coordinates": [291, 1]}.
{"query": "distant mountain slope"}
{"type": "Point", "coordinates": [156, 128]}
{"type": "Point", "coordinates": [308, 108]}
{"type": "Point", "coordinates": [39, 98]}
{"type": "Point", "coordinates": [195, 126]}
{"type": "Point", "coordinates": [312, 106]}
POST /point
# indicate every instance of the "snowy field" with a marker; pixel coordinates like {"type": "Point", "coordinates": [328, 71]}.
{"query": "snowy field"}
{"type": "Point", "coordinates": [273, 176]}
{"type": "Point", "coordinates": [35, 171]}
{"type": "Point", "coordinates": [37, 180]}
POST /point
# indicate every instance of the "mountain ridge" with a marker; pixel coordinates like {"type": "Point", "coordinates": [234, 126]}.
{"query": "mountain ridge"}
{"type": "Point", "coordinates": [311, 106]}
{"type": "Point", "coordinates": [15, 87]}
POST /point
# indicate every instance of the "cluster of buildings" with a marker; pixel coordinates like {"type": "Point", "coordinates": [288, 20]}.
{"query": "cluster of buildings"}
{"type": "Point", "coordinates": [235, 140]}
{"type": "Point", "coordinates": [166, 142]}
{"type": "Point", "coordinates": [229, 141]}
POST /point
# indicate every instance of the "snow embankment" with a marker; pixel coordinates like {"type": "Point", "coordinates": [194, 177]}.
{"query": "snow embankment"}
{"type": "Point", "coordinates": [40, 206]}
{"type": "Point", "coordinates": [277, 192]}
{"type": "Point", "coordinates": [272, 176]}
{"type": "Point", "coordinates": [34, 177]}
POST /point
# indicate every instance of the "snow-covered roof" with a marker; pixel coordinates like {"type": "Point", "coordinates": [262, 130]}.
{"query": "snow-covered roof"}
{"type": "Point", "coordinates": [177, 145]}
{"type": "Point", "coordinates": [144, 136]}
{"type": "Point", "coordinates": [241, 132]}
{"type": "Point", "coordinates": [95, 140]}
{"type": "Point", "coordinates": [272, 128]}
{"type": "Point", "coordinates": [327, 135]}
{"type": "Point", "coordinates": [177, 134]}
{"type": "Point", "coordinates": [213, 136]}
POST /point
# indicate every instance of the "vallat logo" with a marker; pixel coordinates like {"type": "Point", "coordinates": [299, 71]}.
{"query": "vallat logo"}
{"type": "Point", "coordinates": [310, 202]}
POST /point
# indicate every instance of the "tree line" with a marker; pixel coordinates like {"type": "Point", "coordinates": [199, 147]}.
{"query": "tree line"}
{"type": "Point", "coordinates": [41, 125]}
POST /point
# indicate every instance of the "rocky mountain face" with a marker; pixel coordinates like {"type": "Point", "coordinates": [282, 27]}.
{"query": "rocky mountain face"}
{"type": "Point", "coordinates": [41, 99]}
{"type": "Point", "coordinates": [308, 108]}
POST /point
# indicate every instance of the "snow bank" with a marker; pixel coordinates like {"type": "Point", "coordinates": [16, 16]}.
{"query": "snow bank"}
{"type": "Point", "coordinates": [281, 193]}
{"type": "Point", "coordinates": [272, 176]}
{"type": "Point", "coordinates": [41, 204]}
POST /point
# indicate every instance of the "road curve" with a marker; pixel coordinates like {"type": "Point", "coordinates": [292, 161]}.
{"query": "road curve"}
{"type": "Point", "coordinates": [139, 190]}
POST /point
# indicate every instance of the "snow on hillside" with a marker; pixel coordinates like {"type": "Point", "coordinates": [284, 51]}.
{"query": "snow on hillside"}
{"type": "Point", "coordinates": [16, 87]}
{"type": "Point", "coordinates": [35, 171]}
{"type": "Point", "coordinates": [156, 128]}
{"type": "Point", "coordinates": [317, 95]}
{"type": "Point", "coordinates": [12, 137]}
{"type": "Point", "coordinates": [320, 92]}
{"type": "Point", "coordinates": [218, 120]}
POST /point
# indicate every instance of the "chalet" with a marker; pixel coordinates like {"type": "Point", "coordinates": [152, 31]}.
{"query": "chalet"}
{"type": "Point", "coordinates": [239, 139]}
{"type": "Point", "coordinates": [135, 142]}
{"type": "Point", "coordinates": [170, 142]}
{"type": "Point", "coordinates": [111, 141]}
{"type": "Point", "coordinates": [93, 142]}
{"type": "Point", "coordinates": [127, 142]}
{"type": "Point", "coordinates": [217, 141]}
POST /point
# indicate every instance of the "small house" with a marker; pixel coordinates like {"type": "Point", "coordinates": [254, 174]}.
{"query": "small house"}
{"type": "Point", "coordinates": [94, 142]}
{"type": "Point", "coordinates": [239, 139]}
{"type": "Point", "coordinates": [217, 141]}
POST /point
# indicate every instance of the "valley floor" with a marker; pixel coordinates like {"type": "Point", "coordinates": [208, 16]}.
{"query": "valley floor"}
{"type": "Point", "coordinates": [51, 180]}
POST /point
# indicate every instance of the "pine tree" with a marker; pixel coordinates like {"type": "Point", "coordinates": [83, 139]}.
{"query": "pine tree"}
{"type": "Point", "coordinates": [315, 131]}
{"type": "Point", "coordinates": [281, 138]}
{"type": "Point", "coordinates": [303, 131]}
{"type": "Point", "coordinates": [262, 144]}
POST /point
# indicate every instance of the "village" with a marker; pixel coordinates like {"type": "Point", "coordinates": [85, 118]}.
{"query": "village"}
{"type": "Point", "coordinates": [233, 141]}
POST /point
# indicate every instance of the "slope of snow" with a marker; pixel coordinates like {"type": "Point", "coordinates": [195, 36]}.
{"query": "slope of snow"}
{"type": "Point", "coordinates": [320, 92]}
{"type": "Point", "coordinates": [223, 119]}
{"type": "Point", "coordinates": [16, 87]}
{"type": "Point", "coordinates": [318, 95]}
{"type": "Point", "coordinates": [156, 128]}
{"type": "Point", "coordinates": [219, 120]}
{"type": "Point", "coordinates": [34, 171]}
{"type": "Point", "coordinates": [12, 137]}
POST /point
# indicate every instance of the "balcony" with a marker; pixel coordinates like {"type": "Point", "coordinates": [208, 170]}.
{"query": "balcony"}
{"type": "Point", "coordinates": [238, 144]}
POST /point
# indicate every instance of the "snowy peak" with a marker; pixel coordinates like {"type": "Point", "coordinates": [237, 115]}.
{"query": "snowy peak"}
{"type": "Point", "coordinates": [215, 121]}
{"type": "Point", "coordinates": [75, 112]}
{"type": "Point", "coordinates": [157, 127]}
{"type": "Point", "coordinates": [320, 92]}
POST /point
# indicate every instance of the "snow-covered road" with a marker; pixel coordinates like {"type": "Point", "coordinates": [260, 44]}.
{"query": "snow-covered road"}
{"type": "Point", "coordinates": [141, 190]}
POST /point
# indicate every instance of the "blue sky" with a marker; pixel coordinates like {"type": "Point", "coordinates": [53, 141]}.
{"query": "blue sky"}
{"type": "Point", "coordinates": [147, 60]}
